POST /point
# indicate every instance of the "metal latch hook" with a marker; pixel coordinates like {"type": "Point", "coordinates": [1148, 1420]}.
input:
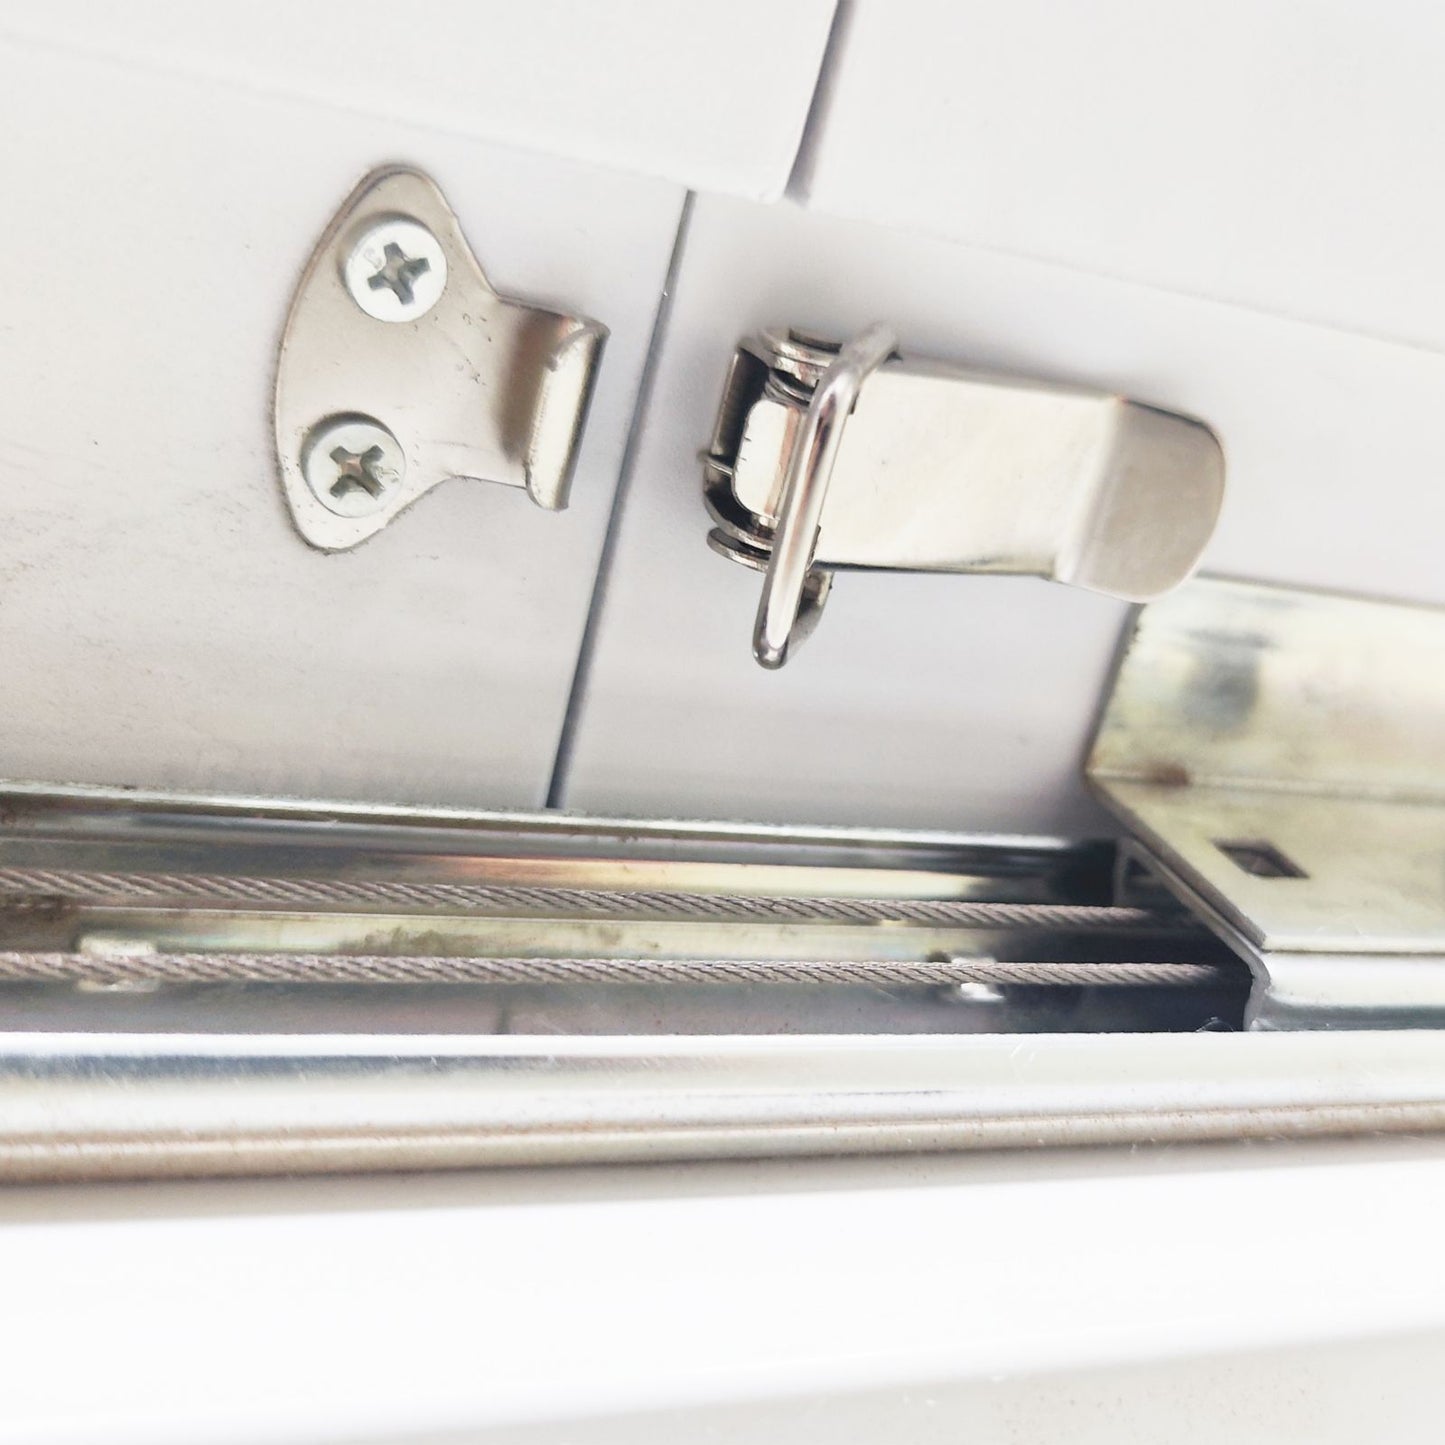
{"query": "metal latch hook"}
{"type": "Point", "coordinates": [828, 458]}
{"type": "Point", "coordinates": [401, 368]}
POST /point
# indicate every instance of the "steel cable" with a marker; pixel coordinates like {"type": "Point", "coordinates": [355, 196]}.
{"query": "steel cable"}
{"type": "Point", "coordinates": [126, 967]}
{"type": "Point", "coordinates": [19, 884]}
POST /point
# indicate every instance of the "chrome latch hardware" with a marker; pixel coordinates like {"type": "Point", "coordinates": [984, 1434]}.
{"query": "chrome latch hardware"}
{"type": "Point", "coordinates": [400, 368]}
{"type": "Point", "coordinates": [827, 458]}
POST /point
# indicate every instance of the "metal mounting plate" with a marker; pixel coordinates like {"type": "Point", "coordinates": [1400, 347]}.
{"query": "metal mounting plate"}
{"type": "Point", "coordinates": [464, 382]}
{"type": "Point", "coordinates": [1278, 756]}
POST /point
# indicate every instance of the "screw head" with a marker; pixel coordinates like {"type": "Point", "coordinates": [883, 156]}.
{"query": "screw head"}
{"type": "Point", "coordinates": [395, 269]}
{"type": "Point", "coordinates": [353, 465]}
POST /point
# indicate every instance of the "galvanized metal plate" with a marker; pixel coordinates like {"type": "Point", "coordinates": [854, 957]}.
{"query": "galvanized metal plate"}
{"type": "Point", "coordinates": [1280, 756]}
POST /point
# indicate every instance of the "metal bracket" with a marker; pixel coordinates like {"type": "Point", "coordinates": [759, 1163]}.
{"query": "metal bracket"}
{"type": "Point", "coordinates": [400, 368]}
{"type": "Point", "coordinates": [1277, 756]}
{"type": "Point", "coordinates": [828, 457]}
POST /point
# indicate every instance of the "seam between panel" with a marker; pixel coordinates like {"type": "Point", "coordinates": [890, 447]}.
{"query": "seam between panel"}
{"type": "Point", "coordinates": [581, 676]}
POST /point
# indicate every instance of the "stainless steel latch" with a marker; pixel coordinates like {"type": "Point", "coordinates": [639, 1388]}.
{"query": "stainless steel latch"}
{"type": "Point", "coordinates": [827, 458]}
{"type": "Point", "coordinates": [401, 368]}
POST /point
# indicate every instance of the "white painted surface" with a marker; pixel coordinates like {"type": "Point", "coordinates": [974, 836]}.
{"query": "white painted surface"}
{"type": "Point", "coordinates": [1279, 153]}
{"type": "Point", "coordinates": [406, 1309]}
{"type": "Point", "coordinates": [711, 96]}
{"type": "Point", "coordinates": [1338, 1393]}
{"type": "Point", "coordinates": [161, 624]}
{"type": "Point", "coordinates": [967, 702]}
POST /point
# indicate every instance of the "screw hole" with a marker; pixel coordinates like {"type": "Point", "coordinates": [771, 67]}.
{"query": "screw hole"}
{"type": "Point", "coordinates": [1259, 859]}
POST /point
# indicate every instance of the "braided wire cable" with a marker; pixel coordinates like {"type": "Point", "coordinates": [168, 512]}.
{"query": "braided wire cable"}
{"type": "Point", "coordinates": [25, 884]}
{"type": "Point", "coordinates": [123, 967]}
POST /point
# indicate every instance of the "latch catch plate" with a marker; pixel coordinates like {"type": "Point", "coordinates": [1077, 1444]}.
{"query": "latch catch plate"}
{"type": "Point", "coordinates": [400, 368]}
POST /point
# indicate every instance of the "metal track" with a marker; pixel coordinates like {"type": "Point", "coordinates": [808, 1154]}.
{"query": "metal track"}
{"type": "Point", "coordinates": [127, 1106]}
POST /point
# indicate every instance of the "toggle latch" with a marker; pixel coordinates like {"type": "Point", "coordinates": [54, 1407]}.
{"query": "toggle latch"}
{"type": "Point", "coordinates": [827, 458]}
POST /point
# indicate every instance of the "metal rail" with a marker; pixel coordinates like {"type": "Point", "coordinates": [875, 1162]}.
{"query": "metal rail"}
{"type": "Point", "coordinates": [78, 1106]}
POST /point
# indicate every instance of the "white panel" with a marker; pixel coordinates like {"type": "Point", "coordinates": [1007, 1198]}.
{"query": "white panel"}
{"type": "Point", "coordinates": [711, 96]}
{"type": "Point", "coordinates": [161, 624]}
{"type": "Point", "coordinates": [1340, 1393]}
{"type": "Point", "coordinates": [1282, 153]}
{"type": "Point", "coordinates": [420, 1308]}
{"type": "Point", "coordinates": [967, 702]}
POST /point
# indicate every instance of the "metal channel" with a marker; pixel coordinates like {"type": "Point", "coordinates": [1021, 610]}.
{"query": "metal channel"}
{"type": "Point", "coordinates": [194, 986]}
{"type": "Point", "coordinates": [81, 1107]}
{"type": "Point", "coordinates": [137, 832]}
